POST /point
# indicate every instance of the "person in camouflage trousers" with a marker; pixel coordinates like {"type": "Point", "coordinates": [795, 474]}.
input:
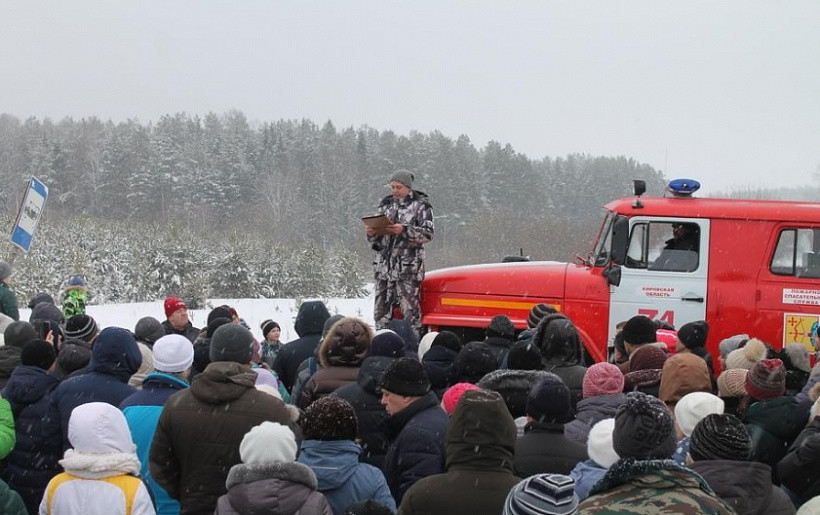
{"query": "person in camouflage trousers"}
{"type": "Point", "coordinates": [645, 480]}
{"type": "Point", "coordinates": [398, 264]}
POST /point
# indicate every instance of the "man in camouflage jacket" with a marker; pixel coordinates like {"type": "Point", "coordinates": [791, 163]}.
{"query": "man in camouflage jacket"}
{"type": "Point", "coordinates": [398, 264]}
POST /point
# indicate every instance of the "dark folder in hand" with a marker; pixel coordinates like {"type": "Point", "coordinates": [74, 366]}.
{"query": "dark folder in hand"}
{"type": "Point", "coordinates": [377, 222]}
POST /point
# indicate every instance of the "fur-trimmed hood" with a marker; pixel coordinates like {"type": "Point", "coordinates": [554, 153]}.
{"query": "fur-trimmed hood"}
{"type": "Point", "coordinates": [347, 344]}
{"type": "Point", "coordinates": [514, 386]}
{"type": "Point", "coordinates": [290, 471]}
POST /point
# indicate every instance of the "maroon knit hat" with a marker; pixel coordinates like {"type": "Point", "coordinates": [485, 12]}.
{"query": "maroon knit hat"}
{"type": "Point", "coordinates": [648, 357]}
{"type": "Point", "coordinates": [602, 379]}
{"type": "Point", "coordinates": [766, 380]}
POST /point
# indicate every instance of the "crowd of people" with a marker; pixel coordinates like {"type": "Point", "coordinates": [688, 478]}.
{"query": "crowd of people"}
{"type": "Point", "coordinates": [169, 418]}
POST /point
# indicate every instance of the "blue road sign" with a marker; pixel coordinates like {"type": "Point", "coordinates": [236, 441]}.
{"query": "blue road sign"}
{"type": "Point", "coordinates": [29, 215]}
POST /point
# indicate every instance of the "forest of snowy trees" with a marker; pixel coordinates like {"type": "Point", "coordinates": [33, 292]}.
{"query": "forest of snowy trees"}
{"type": "Point", "coordinates": [219, 206]}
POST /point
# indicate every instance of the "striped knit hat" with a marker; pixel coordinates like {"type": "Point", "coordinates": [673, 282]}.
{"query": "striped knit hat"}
{"type": "Point", "coordinates": [80, 327]}
{"type": "Point", "coordinates": [766, 380]}
{"type": "Point", "coordinates": [720, 437]}
{"type": "Point", "coordinates": [543, 494]}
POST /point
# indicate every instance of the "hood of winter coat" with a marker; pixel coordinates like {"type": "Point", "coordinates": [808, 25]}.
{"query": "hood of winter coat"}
{"type": "Point", "coordinates": [333, 462]}
{"type": "Point", "coordinates": [276, 488]}
{"type": "Point", "coordinates": [481, 434]}
{"type": "Point", "coordinates": [681, 374]}
{"type": "Point", "coordinates": [600, 404]}
{"type": "Point", "coordinates": [514, 386]}
{"type": "Point", "coordinates": [780, 416]}
{"type": "Point", "coordinates": [28, 385]}
{"type": "Point", "coordinates": [115, 352]}
{"type": "Point", "coordinates": [745, 485]}
{"type": "Point", "coordinates": [98, 427]}
{"type": "Point", "coordinates": [223, 381]}
{"type": "Point", "coordinates": [311, 318]}
{"type": "Point", "coordinates": [346, 344]}
{"type": "Point", "coordinates": [9, 358]}
{"type": "Point", "coordinates": [371, 373]}
{"type": "Point", "coordinates": [439, 363]}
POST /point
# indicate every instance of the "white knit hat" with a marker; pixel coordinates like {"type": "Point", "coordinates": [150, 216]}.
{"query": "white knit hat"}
{"type": "Point", "coordinates": [747, 356]}
{"type": "Point", "coordinates": [267, 443]}
{"type": "Point", "coordinates": [173, 353]}
{"type": "Point", "coordinates": [693, 407]}
{"type": "Point", "coordinates": [599, 444]}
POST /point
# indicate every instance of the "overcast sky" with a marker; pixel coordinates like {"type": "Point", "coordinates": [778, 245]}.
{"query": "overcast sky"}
{"type": "Point", "coordinates": [725, 92]}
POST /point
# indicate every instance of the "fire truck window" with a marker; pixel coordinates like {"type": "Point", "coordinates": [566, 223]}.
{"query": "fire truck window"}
{"type": "Point", "coordinates": [635, 254]}
{"type": "Point", "coordinates": [797, 253]}
{"type": "Point", "coordinates": [674, 246]}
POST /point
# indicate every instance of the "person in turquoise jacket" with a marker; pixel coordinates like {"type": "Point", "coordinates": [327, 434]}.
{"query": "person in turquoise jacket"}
{"type": "Point", "coordinates": [330, 428]}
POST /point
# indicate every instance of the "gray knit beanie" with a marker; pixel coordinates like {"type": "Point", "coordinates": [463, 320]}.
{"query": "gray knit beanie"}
{"type": "Point", "coordinates": [5, 269]}
{"type": "Point", "coordinates": [403, 176]}
{"type": "Point", "coordinates": [232, 342]}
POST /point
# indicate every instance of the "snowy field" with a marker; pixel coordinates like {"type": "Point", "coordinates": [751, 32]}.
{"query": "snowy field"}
{"type": "Point", "coordinates": [254, 311]}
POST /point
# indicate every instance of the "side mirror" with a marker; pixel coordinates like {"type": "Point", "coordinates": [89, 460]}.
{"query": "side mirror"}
{"type": "Point", "coordinates": [639, 187]}
{"type": "Point", "coordinates": [613, 275]}
{"type": "Point", "coordinates": [620, 239]}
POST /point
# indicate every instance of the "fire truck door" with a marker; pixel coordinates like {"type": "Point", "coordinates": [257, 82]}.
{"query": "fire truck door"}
{"type": "Point", "coordinates": [665, 273]}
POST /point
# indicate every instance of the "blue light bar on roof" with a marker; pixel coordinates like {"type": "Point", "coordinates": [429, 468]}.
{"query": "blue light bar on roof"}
{"type": "Point", "coordinates": [683, 187]}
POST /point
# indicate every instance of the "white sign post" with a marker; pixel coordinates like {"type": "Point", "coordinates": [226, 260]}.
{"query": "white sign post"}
{"type": "Point", "coordinates": [30, 210]}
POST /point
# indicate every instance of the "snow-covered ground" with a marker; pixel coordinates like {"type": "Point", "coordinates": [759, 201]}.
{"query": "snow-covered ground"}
{"type": "Point", "coordinates": [254, 311]}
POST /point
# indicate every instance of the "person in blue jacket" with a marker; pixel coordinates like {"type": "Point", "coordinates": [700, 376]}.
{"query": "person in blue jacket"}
{"type": "Point", "coordinates": [173, 357]}
{"type": "Point", "coordinates": [330, 427]}
{"type": "Point", "coordinates": [114, 359]}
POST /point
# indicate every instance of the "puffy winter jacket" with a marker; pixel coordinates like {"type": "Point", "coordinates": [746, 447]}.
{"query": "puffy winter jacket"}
{"type": "Point", "coordinates": [773, 425]}
{"type": "Point", "coordinates": [416, 449]}
{"type": "Point", "coordinates": [799, 470]}
{"type": "Point", "coordinates": [342, 479]}
{"type": "Point", "coordinates": [746, 486]}
{"type": "Point", "coordinates": [545, 449]}
{"type": "Point", "coordinates": [589, 412]}
{"type": "Point", "coordinates": [34, 459]}
{"type": "Point", "coordinates": [309, 324]}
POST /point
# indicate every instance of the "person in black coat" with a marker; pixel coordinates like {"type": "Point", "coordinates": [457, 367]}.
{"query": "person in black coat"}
{"type": "Point", "coordinates": [439, 361]}
{"type": "Point", "coordinates": [544, 448]}
{"type": "Point", "coordinates": [365, 397]}
{"type": "Point", "coordinates": [309, 324]}
{"type": "Point", "coordinates": [35, 457]}
{"type": "Point", "coordinates": [500, 336]}
{"type": "Point", "coordinates": [799, 470]}
{"type": "Point", "coordinates": [415, 428]}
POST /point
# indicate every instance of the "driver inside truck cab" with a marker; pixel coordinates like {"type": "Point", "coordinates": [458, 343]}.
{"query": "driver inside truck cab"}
{"type": "Point", "coordinates": [680, 253]}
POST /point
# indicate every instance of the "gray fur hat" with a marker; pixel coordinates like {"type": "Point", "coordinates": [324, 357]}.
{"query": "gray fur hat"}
{"type": "Point", "coordinates": [403, 176]}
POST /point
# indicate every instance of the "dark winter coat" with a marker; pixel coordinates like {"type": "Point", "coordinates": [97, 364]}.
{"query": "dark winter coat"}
{"type": "Point", "coordinates": [416, 449]}
{"type": "Point", "coordinates": [342, 479]}
{"type": "Point", "coordinates": [34, 459]}
{"type": "Point", "coordinates": [189, 332]}
{"type": "Point", "coordinates": [479, 442]}
{"type": "Point", "coordinates": [341, 353]}
{"type": "Point", "coordinates": [514, 387]}
{"type": "Point", "coordinates": [200, 429]}
{"type": "Point", "coordinates": [500, 347]}
{"type": "Point", "coordinates": [309, 324]}
{"type": "Point", "coordinates": [279, 488]}
{"type": "Point", "coordinates": [773, 425]}
{"type": "Point", "coordinates": [799, 470]}
{"type": "Point", "coordinates": [365, 397]}
{"type": "Point", "coordinates": [652, 486]}
{"type": "Point", "coordinates": [439, 363]}
{"type": "Point", "coordinates": [545, 449]}
{"type": "Point", "coordinates": [9, 359]}
{"type": "Point", "coordinates": [142, 410]}
{"type": "Point", "coordinates": [106, 380]}
{"type": "Point", "coordinates": [10, 501]}
{"type": "Point", "coordinates": [573, 378]}
{"type": "Point", "coordinates": [746, 486]}
{"type": "Point", "coordinates": [8, 302]}
{"type": "Point", "coordinates": [591, 411]}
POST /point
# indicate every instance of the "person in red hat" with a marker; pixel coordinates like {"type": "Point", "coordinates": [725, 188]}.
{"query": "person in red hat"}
{"type": "Point", "coordinates": [177, 321]}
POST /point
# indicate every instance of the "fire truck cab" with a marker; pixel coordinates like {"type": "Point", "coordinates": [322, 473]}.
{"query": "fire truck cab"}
{"type": "Point", "coordinates": [744, 266]}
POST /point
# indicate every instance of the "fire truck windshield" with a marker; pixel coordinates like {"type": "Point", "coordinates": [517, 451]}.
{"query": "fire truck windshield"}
{"type": "Point", "coordinates": [604, 241]}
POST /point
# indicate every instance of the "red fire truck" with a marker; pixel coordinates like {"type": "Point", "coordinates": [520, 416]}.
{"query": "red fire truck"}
{"type": "Point", "coordinates": [747, 266]}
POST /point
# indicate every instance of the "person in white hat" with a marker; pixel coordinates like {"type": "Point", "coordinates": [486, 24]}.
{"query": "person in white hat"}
{"type": "Point", "coordinates": [173, 355]}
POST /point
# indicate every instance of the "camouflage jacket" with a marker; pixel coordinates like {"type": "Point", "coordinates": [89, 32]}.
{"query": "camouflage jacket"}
{"type": "Point", "coordinates": [402, 256]}
{"type": "Point", "coordinates": [652, 486]}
